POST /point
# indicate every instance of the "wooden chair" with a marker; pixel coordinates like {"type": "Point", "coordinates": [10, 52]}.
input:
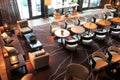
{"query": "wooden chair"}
{"type": "Point", "coordinates": [98, 61]}
{"type": "Point", "coordinates": [76, 71]}
{"type": "Point", "coordinates": [113, 54]}
{"type": "Point", "coordinates": [109, 15]}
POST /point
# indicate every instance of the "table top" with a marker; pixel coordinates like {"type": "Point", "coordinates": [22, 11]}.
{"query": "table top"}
{"type": "Point", "coordinates": [36, 45]}
{"type": "Point", "coordinates": [78, 29]}
{"type": "Point", "coordinates": [104, 23]}
{"type": "Point", "coordinates": [90, 25]}
{"type": "Point", "coordinates": [62, 33]}
{"type": "Point", "coordinates": [116, 19]}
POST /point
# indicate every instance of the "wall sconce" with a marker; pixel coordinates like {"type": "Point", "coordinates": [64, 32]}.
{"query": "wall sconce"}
{"type": "Point", "coordinates": [14, 59]}
{"type": "Point", "coordinates": [5, 26]}
{"type": "Point", "coordinates": [117, 3]}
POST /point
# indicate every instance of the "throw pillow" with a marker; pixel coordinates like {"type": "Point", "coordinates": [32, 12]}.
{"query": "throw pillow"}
{"type": "Point", "coordinates": [8, 40]}
{"type": "Point", "coordinates": [4, 35]}
{"type": "Point", "coordinates": [11, 50]}
{"type": "Point", "coordinates": [39, 53]}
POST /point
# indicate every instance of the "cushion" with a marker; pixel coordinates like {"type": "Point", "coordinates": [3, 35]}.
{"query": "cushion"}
{"type": "Point", "coordinates": [25, 29]}
{"type": "Point", "coordinates": [11, 50]}
{"type": "Point", "coordinates": [4, 35]}
{"type": "Point", "coordinates": [39, 53]}
{"type": "Point", "coordinates": [23, 24]}
{"type": "Point", "coordinates": [8, 40]}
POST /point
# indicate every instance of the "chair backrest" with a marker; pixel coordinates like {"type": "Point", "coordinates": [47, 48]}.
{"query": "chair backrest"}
{"type": "Point", "coordinates": [99, 54]}
{"type": "Point", "coordinates": [111, 51]}
{"type": "Point", "coordinates": [98, 60]}
{"type": "Point", "coordinates": [71, 44]}
{"type": "Point", "coordinates": [69, 23]}
{"type": "Point", "coordinates": [101, 34]}
{"type": "Point", "coordinates": [76, 70]}
{"type": "Point", "coordinates": [54, 24]}
{"type": "Point", "coordinates": [82, 20]}
{"type": "Point", "coordinates": [107, 7]}
{"type": "Point", "coordinates": [23, 24]}
{"type": "Point", "coordinates": [95, 17]}
{"type": "Point", "coordinates": [86, 38]}
{"type": "Point", "coordinates": [114, 49]}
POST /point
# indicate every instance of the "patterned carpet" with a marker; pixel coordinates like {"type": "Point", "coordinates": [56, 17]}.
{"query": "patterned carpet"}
{"type": "Point", "coordinates": [59, 56]}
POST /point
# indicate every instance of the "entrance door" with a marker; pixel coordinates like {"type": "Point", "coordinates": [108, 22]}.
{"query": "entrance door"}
{"type": "Point", "coordinates": [29, 8]}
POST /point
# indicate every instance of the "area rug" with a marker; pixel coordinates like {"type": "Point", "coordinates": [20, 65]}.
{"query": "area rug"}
{"type": "Point", "coordinates": [59, 56]}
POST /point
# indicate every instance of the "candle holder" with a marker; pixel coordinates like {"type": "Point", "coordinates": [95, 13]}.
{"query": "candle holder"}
{"type": "Point", "coordinates": [62, 32]}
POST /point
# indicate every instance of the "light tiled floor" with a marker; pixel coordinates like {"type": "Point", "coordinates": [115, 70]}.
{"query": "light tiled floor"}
{"type": "Point", "coordinates": [41, 21]}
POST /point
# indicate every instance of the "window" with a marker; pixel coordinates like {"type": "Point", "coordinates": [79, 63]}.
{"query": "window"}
{"type": "Point", "coordinates": [31, 10]}
{"type": "Point", "coordinates": [91, 3]}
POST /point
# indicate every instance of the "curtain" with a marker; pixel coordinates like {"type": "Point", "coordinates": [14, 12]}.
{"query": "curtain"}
{"type": "Point", "coordinates": [103, 2]}
{"type": "Point", "coordinates": [9, 11]}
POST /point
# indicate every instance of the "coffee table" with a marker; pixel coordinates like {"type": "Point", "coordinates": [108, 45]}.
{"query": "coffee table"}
{"type": "Point", "coordinates": [62, 33]}
{"type": "Point", "coordinates": [35, 46]}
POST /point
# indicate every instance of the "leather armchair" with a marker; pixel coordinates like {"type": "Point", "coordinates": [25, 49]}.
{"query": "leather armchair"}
{"type": "Point", "coordinates": [39, 59]}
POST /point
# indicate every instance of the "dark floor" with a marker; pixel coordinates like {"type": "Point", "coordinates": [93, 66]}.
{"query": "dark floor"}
{"type": "Point", "coordinates": [60, 57]}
